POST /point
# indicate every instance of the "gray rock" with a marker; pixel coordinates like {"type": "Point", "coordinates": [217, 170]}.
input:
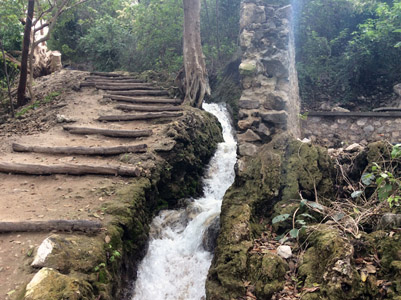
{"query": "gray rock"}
{"type": "Point", "coordinates": [284, 251]}
{"type": "Point", "coordinates": [64, 119]}
{"type": "Point", "coordinates": [44, 250]}
{"type": "Point", "coordinates": [248, 123]}
{"type": "Point", "coordinates": [275, 101]}
{"type": "Point", "coordinates": [251, 14]}
{"type": "Point", "coordinates": [390, 221]}
{"type": "Point", "coordinates": [263, 131]}
{"type": "Point", "coordinates": [284, 12]}
{"type": "Point", "coordinates": [340, 109]}
{"type": "Point", "coordinates": [368, 129]}
{"type": "Point", "coordinates": [248, 136]}
{"type": "Point", "coordinates": [354, 148]}
{"type": "Point", "coordinates": [397, 89]}
{"type": "Point", "coordinates": [276, 117]}
{"type": "Point", "coordinates": [325, 106]}
{"type": "Point", "coordinates": [248, 150]}
{"type": "Point", "coordinates": [249, 104]}
{"type": "Point", "coordinates": [209, 240]}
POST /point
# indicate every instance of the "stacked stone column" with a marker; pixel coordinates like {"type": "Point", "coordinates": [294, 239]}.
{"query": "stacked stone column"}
{"type": "Point", "coordinates": [269, 104]}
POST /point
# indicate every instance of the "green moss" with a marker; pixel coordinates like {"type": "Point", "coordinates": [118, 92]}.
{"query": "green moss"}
{"type": "Point", "coordinates": [52, 285]}
{"type": "Point", "coordinates": [307, 167]}
{"type": "Point", "coordinates": [267, 271]}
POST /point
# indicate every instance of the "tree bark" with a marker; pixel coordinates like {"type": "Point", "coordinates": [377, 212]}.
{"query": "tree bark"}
{"type": "Point", "coordinates": [21, 99]}
{"type": "Point", "coordinates": [7, 78]}
{"type": "Point", "coordinates": [139, 93]}
{"type": "Point", "coordinates": [143, 100]}
{"type": "Point", "coordinates": [196, 80]}
{"type": "Point", "coordinates": [148, 108]}
{"type": "Point", "coordinates": [67, 169]}
{"type": "Point", "coordinates": [148, 116]}
{"type": "Point", "coordinates": [81, 150]}
{"type": "Point", "coordinates": [109, 132]}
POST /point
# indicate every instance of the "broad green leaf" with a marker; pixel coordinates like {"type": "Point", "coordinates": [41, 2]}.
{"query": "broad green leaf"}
{"type": "Point", "coordinates": [396, 152]}
{"type": "Point", "coordinates": [301, 222]}
{"type": "Point", "coordinates": [280, 218]}
{"type": "Point", "coordinates": [316, 205]}
{"type": "Point", "coordinates": [367, 178]}
{"type": "Point", "coordinates": [306, 215]}
{"type": "Point", "coordinates": [294, 233]}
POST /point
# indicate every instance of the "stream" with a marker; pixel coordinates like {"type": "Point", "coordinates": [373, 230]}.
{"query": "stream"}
{"type": "Point", "coordinates": [176, 264]}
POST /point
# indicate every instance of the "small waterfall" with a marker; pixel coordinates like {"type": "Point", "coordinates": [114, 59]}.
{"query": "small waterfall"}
{"type": "Point", "coordinates": [176, 265]}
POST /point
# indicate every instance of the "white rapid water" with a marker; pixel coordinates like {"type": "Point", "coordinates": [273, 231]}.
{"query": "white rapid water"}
{"type": "Point", "coordinates": [176, 265]}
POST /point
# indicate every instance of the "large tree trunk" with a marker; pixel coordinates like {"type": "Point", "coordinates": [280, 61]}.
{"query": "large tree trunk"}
{"type": "Point", "coordinates": [21, 100]}
{"type": "Point", "coordinates": [196, 81]}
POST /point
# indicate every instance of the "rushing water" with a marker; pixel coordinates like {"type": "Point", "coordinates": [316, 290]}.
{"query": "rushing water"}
{"type": "Point", "coordinates": [176, 265]}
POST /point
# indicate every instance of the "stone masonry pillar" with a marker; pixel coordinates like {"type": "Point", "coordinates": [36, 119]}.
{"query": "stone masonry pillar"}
{"type": "Point", "coordinates": [270, 102]}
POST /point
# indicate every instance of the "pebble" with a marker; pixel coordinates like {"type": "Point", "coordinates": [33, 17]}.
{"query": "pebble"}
{"type": "Point", "coordinates": [284, 251]}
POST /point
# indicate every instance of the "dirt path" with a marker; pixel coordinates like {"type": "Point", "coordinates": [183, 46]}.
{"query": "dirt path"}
{"type": "Point", "coordinates": [35, 198]}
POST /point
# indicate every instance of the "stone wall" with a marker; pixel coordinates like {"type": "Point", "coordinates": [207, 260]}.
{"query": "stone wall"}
{"type": "Point", "coordinates": [269, 104]}
{"type": "Point", "coordinates": [334, 129]}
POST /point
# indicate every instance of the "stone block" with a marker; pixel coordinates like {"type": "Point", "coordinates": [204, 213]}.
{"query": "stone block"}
{"type": "Point", "coordinates": [246, 39]}
{"type": "Point", "coordinates": [249, 104]}
{"type": "Point", "coordinates": [276, 101]}
{"type": "Point", "coordinates": [342, 121]}
{"type": "Point", "coordinates": [368, 129]}
{"type": "Point", "coordinates": [248, 150]}
{"type": "Point", "coordinates": [263, 131]}
{"type": "Point", "coordinates": [251, 14]}
{"type": "Point", "coordinates": [276, 117]}
{"type": "Point", "coordinates": [361, 122]}
{"type": "Point", "coordinates": [248, 136]}
{"type": "Point", "coordinates": [248, 123]}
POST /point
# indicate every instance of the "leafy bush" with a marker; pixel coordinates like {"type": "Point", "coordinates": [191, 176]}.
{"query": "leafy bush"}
{"type": "Point", "coordinates": [346, 48]}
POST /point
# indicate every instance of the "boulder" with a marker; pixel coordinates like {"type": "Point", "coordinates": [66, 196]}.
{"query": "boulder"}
{"type": "Point", "coordinates": [47, 282]}
{"type": "Point", "coordinates": [248, 136]}
{"type": "Point", "coordinates": [78, 253]}
{"type": "Point", "coordinates": [267, 273]}
{"type": "Point", "coordinates": [248, 150]}
{"type": "Point", "coordinates": [390, 221]}
{"type": "Point", "coordinates": [211, 234]}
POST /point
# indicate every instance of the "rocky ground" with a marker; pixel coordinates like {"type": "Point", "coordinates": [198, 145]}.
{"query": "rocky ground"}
{"type": "Point", "coordinates": [111, 200]}
{"type": "Point", "coordinates": [299, 223]}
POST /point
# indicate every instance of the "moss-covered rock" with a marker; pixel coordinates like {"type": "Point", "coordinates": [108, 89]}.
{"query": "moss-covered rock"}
{"type": "Point", "coordinates": [281, 170]}
{"type": "Point", "coordinates": [267, 271]}
{"type": "Point", "coordinates": [328, 263]}
{"type": "Point", "coordinates": [307, 168]}
{"type": "Point", "coordinates": [50, 284]}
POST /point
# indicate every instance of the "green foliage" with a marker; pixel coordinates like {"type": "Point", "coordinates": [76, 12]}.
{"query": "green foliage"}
{"type": "Point", "coordinates": [49, 98]}
{"type": "Point", "coordinates": [116, 34]}
{"type": "Point", "coordinates": [387, 186]}
{"type": "Point", "coordinates": [347, 48]}
{"type": "Point", "coordinates": [300, 221]}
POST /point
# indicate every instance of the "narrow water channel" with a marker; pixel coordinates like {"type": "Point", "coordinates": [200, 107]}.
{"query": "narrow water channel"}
{"type": "Point", "coordinates": [176, 264]}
